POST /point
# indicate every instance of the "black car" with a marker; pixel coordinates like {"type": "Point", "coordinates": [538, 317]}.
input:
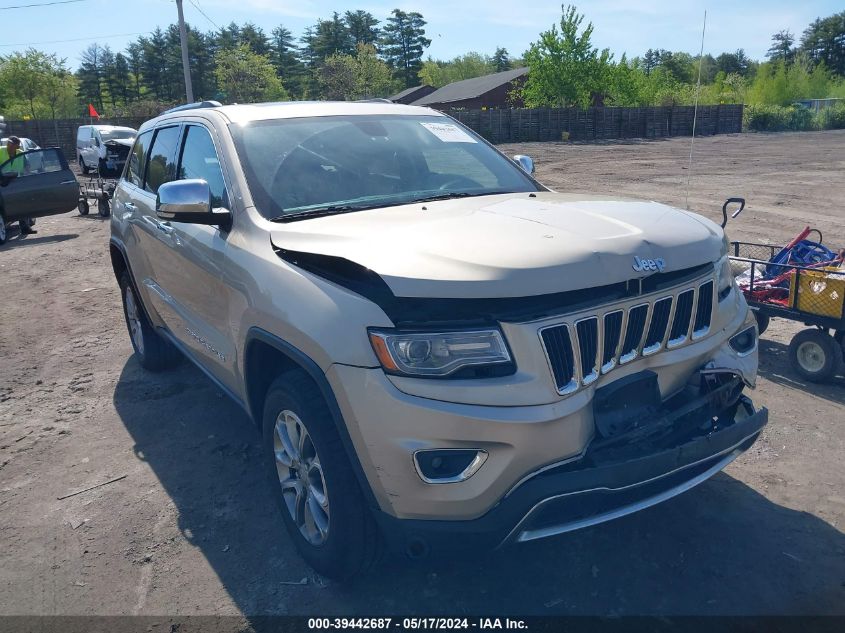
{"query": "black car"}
{"type": "Point", "coordinates": [34, 184]}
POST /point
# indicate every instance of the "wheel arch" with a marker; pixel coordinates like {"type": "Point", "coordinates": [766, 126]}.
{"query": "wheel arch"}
{"type": "Point", "coordinates": [266, 356]}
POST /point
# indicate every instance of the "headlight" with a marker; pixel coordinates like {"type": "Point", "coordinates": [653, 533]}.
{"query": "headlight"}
{"type": "Point", "coordinates": [726, 244]}
{"type": "Point", "coordinates": [726, 277]}
{"type": "Point", "coordinates": [438, 354]}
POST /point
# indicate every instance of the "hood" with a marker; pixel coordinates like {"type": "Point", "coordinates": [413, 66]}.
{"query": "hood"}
{"type": "Point", "coordinates": [510, 245]}
{"type": "Point", "coordinates": [125, 142]}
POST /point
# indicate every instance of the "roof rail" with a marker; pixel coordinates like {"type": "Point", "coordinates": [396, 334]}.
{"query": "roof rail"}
{"type": "Point", "coordinates": [194, 106]}
{"type": "Point", "coordinates": [377, 100]}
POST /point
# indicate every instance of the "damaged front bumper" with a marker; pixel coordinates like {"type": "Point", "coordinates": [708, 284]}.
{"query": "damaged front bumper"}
{"type": "Point", "coordinates": [689, 440]}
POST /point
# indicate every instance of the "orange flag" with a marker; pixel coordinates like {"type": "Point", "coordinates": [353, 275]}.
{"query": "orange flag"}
{"type": "Point", "coordinates": [92, 111]}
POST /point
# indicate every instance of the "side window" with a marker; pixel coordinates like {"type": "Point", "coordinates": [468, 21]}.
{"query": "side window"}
{"type": "Point", "coordinates": [161, 167]}
{"type": "Point", "coordinates": [40, 161]}
{"type": "Point", "coordinates": [135, 168]}
{"type": "Point", "coordinates": [199, 160]}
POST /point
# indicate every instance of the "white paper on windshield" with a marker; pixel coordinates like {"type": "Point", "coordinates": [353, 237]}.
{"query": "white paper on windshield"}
{"type": "Point", "coordinates": [448, 133]}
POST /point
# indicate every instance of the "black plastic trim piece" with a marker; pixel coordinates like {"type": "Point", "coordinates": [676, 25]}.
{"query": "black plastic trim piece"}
{"type": "Point", "coordinates": [305, 362]}
{"type": "Point", "coordinates": [435, 312]}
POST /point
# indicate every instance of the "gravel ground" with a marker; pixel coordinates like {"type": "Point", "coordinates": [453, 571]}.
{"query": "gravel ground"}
{"type": "Point", "coordinates": [189, 528]}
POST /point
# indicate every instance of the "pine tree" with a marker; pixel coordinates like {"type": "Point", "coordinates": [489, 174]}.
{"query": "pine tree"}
{"type": "Point", "coordinates": [362, 26]}
{"type": "Point", "coordinates": [402, 44]}
{"type": "Point", "coordinates": [501, 60]}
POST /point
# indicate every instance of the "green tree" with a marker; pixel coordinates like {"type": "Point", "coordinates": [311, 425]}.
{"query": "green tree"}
{"type": "Point", "coordinates": [245, 77]}
{"type": "Point", "coordinates": [254, 37]}
{"type": "Point", "coordinates": [439, 73]}
{"type": "Point", "coordinates": [331, 37]}
{"type": "Point", "coordinates": [736, 62]}
{"type": "Point", "coordinates": [824, 41]}
{"type": "Point", "coordinates": [336, 77]}
{"type": "Point", "coordinates": [501, 60]}
{"type": "Point", "coordinates": [284, 58]}
{"type": "Point", "coordinates": [90, 75]}
{"type": "Point", "coordinates": [362, 27]}
{"type": "Point", "coordinates": [403, 43]}
{"type": "Point", "coordinates": [372, 76]}
{"type": "Point", "coordinates": [565, 68]}
{"type": "Point", "coordinates": [364, 76]}
{"type": "Point", "coordinates": [782, 47]}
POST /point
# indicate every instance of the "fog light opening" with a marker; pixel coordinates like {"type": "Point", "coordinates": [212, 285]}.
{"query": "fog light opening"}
{"type": "Point", "coordinates": [745, 342]}
{"type": "Point", "coordinates": [448, 465]}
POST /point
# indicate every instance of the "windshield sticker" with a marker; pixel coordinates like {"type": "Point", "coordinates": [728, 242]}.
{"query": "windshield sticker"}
{"type": "Point", "coordinates": [448, 133]}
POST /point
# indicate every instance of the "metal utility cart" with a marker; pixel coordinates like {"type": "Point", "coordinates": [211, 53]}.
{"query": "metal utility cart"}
{"type": "Point", "coordinates": [803, 281]}
{"type": "Point", "coordinates": [99, 189]}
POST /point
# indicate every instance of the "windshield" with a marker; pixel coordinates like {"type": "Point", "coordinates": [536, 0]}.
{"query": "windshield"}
{"type": "Point", "coordinates": [111, 135]}
{"type": "Point", "coordinates": [346, 163]}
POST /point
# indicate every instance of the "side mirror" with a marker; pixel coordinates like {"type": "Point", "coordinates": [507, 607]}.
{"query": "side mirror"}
{"type": "Point", "coordinates": [525, 162]}
{"type": "Point", "coordinates": [189, 201]}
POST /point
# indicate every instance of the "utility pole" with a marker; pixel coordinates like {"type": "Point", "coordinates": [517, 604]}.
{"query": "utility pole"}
{"type": "Point", "coordinates": [186, 65]}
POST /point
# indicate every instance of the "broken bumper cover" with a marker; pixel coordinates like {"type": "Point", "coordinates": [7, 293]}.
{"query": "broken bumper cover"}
{"type": "Point", "coordinates": [604, 484]}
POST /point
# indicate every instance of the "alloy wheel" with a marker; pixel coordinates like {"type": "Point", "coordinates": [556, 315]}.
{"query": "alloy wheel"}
{"type": "Point", "coordinates": [301, 477]}
{"type": "Point", "coordinates": [133, 319]}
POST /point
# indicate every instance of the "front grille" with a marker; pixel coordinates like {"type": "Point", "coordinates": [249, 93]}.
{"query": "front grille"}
{"type": "Point", "coordinates": [580, 352]}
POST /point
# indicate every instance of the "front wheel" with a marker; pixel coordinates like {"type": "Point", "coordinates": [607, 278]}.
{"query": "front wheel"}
{"type": "Point", "coordinates": [153, 352]}
{"type": "Point", "coordinates": [313, 482]}
{"type": "Point", "coordinates": [83, 166]}
{"type": "Point", "coordinates": [815, 355]}
{"type": "Point", "coordinates": [2, 229]}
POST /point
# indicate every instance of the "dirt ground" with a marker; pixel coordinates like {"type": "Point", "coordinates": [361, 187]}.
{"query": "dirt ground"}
{"type": "Point", "coordinates": [191, 528]}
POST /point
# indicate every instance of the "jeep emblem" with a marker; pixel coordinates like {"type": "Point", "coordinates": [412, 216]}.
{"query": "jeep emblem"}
{"type": "Point", "coordinates": [646, 265]}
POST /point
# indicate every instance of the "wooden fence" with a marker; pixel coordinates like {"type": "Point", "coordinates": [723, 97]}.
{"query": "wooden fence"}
{"type": "Point", "coordinates": [498, 126]}
{"type": "Point", "coordinates": [549, 124]}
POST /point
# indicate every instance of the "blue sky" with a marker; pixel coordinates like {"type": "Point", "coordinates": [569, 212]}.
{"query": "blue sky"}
{"type": "Point", "coordinates": [454, 27]}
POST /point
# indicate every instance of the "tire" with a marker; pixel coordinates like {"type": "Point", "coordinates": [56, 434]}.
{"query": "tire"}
{"type": "Point", "coordinates": [762, 322]}
{"type": "Point", "coordinates": [3, 234]}
{"type": "Point", "coordinates": [83, 206]}
{"type": "Point", "coordinates": [26, 224]}
{"type": "Point", "coordinates": [103, 208]}
{"type": "Point", "coordinates": [83, 166]}
{"type": "Point", "coordinates": [154, 352]}
{"type": "Point", "coordinates": [815, 355]}
{"type": "Point", "coordinates": [350, 542]}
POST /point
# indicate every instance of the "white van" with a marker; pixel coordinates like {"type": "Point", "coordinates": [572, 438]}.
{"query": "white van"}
{"type": "Point", "coordinates": [103, 148]}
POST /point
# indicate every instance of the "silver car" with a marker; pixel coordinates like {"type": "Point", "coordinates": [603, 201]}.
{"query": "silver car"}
{"type": "Point", "coordinates": [439, 351]}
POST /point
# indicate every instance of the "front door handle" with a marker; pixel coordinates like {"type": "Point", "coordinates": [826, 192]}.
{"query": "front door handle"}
{"type": "Point", "coordinates": [129, 206]}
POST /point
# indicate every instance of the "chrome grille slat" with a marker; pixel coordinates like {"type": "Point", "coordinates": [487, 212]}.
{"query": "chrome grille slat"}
{"type": "Point", "coordinates": [587, 331]}
{"type": "Point", "coordinates": [704, 310]}
{"type": "Point", "coordinates": [634, 332]}
{"type": "Point", "coordinates": [660, 313]}
{"type": "Point", "coordinates": [581, 350]}
{"type": "Point", "coordinates": [682, 319]}
{"type": "Point", "coordinates": [611, 339]}
{"type": "Point", "coordinates": [559, 351]}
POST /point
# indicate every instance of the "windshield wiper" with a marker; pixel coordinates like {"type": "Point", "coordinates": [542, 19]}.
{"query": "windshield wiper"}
{"type": "Point", "coordinates": [457, 194]}
{"type": "Point", "coordinates": [335, 209]}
